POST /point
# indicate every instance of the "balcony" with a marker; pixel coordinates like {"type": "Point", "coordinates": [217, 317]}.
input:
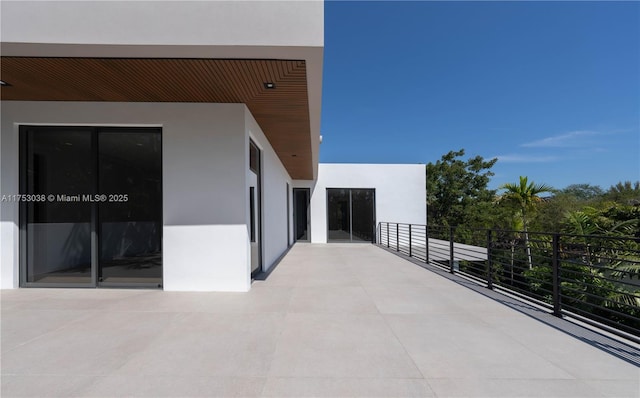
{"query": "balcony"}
{"type": "Point", "coordinates": [593, 278]}
{"type": "Point", "coordinates": [330, 320]}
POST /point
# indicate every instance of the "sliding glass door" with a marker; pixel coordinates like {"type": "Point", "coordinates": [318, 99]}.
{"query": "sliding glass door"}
{"type": "Point", "coordinates": [350, 215]}
{"type": "Point", "coordinates": [91, 213]}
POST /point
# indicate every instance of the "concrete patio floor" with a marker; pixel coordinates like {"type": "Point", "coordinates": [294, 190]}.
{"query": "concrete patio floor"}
{"type": "Point", "coordinates": [331, 320]}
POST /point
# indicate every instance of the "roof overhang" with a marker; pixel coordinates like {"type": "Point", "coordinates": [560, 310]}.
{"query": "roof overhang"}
{"type": "Point", "coordinates": [283, 112]}
{"type": "Point", "coordinates": [195, 51]}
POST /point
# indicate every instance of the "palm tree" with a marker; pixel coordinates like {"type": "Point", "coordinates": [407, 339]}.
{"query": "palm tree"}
{"type": "Point", "coordinates": [525, 196]}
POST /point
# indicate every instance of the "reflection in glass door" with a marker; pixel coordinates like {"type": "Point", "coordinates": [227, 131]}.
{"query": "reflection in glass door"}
{"type": "Point", "coordinates": [100, 221]}
{"type": "Point", "coordinates": [130, 174]}
{"type": "Point", "coordinates": [55, 241]}
{"type": "Point", "coordinates": [338, 215]}
{"type": "Point", "coordinates": [350, 215]}
{"type": "Point", "coordinates": [362, 215]}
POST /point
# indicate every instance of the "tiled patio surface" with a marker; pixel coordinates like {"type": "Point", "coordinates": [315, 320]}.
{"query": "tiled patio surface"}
{"type": "Point", "coordinates": [331, 320]}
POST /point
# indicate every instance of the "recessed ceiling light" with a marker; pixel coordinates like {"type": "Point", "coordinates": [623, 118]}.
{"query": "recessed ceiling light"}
{"type": "Point", "coordinates": [269, 85]}
{"type": "Point", "coordinates": [3, 83]}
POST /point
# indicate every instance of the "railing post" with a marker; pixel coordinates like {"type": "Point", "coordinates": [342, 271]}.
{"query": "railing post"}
{"type": "Point", "coordinates": [397, 237]}
{"type": "Point", "coordinates": [451, 268]}
{"type": "Point", "coordinates": [388, 235]}
{"type": "Point", "coordinates": [426, 243]}
{"type": "Point", "coordinates": [489, 261]}
{"type": "Point", "coordinates": [557, 300]}
{"type": "Point", "coordinates": [410, 254]}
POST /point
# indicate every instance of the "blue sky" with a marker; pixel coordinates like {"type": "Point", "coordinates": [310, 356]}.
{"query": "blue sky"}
{"type": "Point", "coordinates": [550, 88]}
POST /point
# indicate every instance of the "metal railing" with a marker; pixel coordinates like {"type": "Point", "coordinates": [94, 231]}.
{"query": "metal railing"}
{"type": "Point", "coordinates": [595, 278]}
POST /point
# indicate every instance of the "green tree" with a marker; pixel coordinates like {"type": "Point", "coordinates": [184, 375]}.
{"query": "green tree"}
{"type": "Point", "coordinates": [627, 216]}
{"type": "Point", "coordinates": [524, 195]}
{"type": "Point", "coordinates": [610, 263]}
{"type": "Point", "coordinates": [620, 202]}
{"type": "Point", "coordinates": [624, 193]}
{"type": "Point", "coordinates": [550, 213]}
{"type": "Point", "coordinates": [583, 191]}
{"type": "Point", "coordinates": [457, 193]}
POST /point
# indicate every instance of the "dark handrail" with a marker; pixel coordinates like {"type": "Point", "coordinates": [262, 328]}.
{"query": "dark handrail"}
{"type": "Point", "coordinates": [595, 278]}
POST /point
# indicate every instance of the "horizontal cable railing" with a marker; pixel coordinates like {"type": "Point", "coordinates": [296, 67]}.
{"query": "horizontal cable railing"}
{"type": "Point", "coordinates": [595, 278]}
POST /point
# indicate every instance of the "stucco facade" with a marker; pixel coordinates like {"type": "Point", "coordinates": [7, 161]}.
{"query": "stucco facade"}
{"type": "Point", "coordinates": [228, 169]}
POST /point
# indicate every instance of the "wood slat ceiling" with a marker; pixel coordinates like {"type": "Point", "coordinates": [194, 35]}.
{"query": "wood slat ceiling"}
{"type": "Point", "coordinates": [282, 113]}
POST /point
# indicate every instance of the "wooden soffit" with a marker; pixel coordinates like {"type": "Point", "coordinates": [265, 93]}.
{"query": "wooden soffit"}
{"type": "Point", "coordinates": [282, 112]}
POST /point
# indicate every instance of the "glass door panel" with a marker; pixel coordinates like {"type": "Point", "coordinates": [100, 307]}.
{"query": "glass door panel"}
{"type": "Point", "coordinates": [56, 236]}
{"type": "Point", "coordinates": [301, 213]}
{"type": "Point", "coordinates": [362, 218]}
{"type": "Point", "coordinates": [130, 208]}
{"type": "Point", "coordinates": [338, 215]}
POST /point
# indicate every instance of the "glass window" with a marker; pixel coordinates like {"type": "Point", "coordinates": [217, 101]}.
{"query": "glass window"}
{"type": "Point", "coordinates": [254, 157]}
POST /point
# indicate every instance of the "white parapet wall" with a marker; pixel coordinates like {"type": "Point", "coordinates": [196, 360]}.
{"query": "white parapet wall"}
{"type": "Point", "coordinates": [400, 192]}
{"type": "Point", "coordinates": [162, 22]}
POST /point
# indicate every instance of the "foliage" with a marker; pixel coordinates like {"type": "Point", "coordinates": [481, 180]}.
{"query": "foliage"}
{"type": "Point", "coordinates": [582, 191]}
{"type": "Point", "coordinates": [588, 290]}
{"type": "Point", "coordinates": [599, 259]}
{"type": "Point", "coordinates": [524, 195]}
{"type": "Point", "coordinates": [551, 212]}
{"type": "Point", "coordinates": [598, 265]}
{"type": "Point", "coordinates": [457, 193]}
{"type": "Point", "coordinates": [582, 222]}
{"type": "Point", "coordinates": [620, 203]}
{"type": "Point", "coordinates": [624, 218]}
{"type": "Point", "coordinates": [624, 193]}
{"type": "Point", "coordinates": [612, 220]}
{"type": "Point", "coordinates": [622, 256]}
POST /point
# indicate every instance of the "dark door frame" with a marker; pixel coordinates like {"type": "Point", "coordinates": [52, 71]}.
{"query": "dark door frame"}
{"type": "Point", "coordinates": [258, 217]}
{"type": "Point", "coordinates": [289, 209]}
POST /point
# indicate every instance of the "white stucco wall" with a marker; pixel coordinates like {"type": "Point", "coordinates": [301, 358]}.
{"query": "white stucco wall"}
{"type": "Point", "coordinates": [274, 198]}
{"type": "Point", "coordinates": [205, 146]}
{"type": "Point", "coordinates": [400, 192]}
{"type": "Point", "coordinates": [205, 158]}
